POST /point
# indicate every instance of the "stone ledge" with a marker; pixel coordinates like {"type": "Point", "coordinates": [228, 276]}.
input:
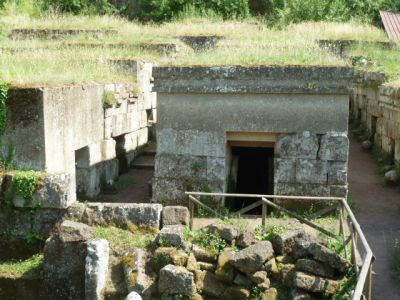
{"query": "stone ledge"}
{"type": "Point", "coordinates": [258, 79]}
{"type": "Point", "coordinates": [55, 34]}
{"type": "Point", "coordinates": [53, 191]}
{"type": "Point", "coordinates": [122, 213]}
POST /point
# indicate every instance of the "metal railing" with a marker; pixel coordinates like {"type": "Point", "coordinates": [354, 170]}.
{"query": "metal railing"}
{"type": "Point", "coordinates": [360, 249]}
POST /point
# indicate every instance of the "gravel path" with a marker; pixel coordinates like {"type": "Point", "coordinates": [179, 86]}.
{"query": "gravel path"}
{"type": "Point", "coordinates": [377, 210]}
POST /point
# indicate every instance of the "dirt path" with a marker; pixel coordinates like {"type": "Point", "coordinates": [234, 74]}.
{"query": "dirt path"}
{"type": "Point", "coordinates": [377, 210]}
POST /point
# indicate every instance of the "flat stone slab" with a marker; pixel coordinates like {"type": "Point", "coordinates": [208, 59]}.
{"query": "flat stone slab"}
{"type": "Point", "coordinates": [239, 79]}
{"type": "Point", "coordinates": [122, 213]}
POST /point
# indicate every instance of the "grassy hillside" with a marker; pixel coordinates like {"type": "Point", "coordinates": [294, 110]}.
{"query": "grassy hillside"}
{"type": "Point", "coordinates": [247, 42]}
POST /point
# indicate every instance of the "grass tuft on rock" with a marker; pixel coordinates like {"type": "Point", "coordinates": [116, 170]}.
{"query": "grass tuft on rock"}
{"type": "Point", "coordinates": [22, 268]}
{"type": "Point", "coordinates": [122, 240]}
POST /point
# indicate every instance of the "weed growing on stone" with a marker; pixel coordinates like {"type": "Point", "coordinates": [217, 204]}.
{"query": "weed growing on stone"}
{"type": "Point", "coordinates": [336, 245]}
{"type": "Point", "coordinates": [210, 241]}
{"type": "Point", "coordinates": [351, 201]}
{"type": "Point", "coordinates": [25, 183]}
{"type": "Point", "coordinates": [263, 233]}
{"type": "Point", "coordinates": [235, 220]}
{"type": "Point", "coordinates": [109, 99]}
{"type": "Point", "coordinates": [18, 268]}
{"type": "Point", "coordinates": [256, 293]}
{"type": "Point", "coordinates": [347, 287]}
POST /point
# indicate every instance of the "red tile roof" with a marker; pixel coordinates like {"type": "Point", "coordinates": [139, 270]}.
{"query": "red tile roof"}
{"type": "Point", "coordinates": [391, 21]}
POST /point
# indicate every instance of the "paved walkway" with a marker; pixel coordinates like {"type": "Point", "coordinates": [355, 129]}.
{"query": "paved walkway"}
{"type": "Point", "coordinates": [377, 210]}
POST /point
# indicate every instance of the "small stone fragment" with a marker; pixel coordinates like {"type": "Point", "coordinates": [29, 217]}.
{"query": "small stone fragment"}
{"type": "Point", "coordinates": [225, 231]}
{"type": "Point", "coordinates": [176, 280]}
{"type": "Point", "coordinates": [271, 268]}
{"type": "Point", "coordinates": [259, 277]}
{"type": "Point", "coordinates": [246, 239]}
{"type": "Point", "coordinates": [366, 145]}
{"type": "Point", "coordinates": [301, 295]}
{"type": "Point", "coordinates": [287, 272]}
{"type": "Point", "coordinates": [171, 236]}
{"type": "Point", "coordinates": [270, 294]}
{"type": "Point", "coordinates": [202, 254]}
{"type": "Point", "coordinates": [242, 280]}
{"type": "Point", "coordinates": [209, 284]}
{"type": "Point", "coordinates": [205, 266]}
{"type": "Point", "coordinates": [264, 285]}
{"type": "Point", "coordinates": [236, 293]}
{"type": "Point", "coordinates": [315, 284]}
{"type": "Point", "coordinates": [133, 296]}
{"type": "Point", "coordinates": [192, 263]}
{"type": "Point", "coordinates": [175, 215]}
{"type": "Point", "coordinates": [327, 256]}
{"type": "Point", "coordinates": [392, 177]}
{"type": "Point", "coordinates": [251, 259]}
{"type": "Point", "coordinates": [314, 267]}
{"type": "Point", "coordinates": [225, 271]}
{"type": "Point", "coordinates": [285, 243]}
{"type": "Point", "coordinates": [168, 255]}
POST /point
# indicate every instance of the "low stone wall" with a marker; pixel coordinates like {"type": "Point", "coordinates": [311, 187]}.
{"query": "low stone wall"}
{"type": "Point", "coordinates": [117, 214]}
{"type": "Point", "coordinates": [377, 107]}
{"type": "Point", "coordinates": [56, 34]}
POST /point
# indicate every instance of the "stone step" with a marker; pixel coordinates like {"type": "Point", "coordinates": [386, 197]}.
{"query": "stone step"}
{"type": "Point", "coordinates": [150, 149]}
{"type": "Point", "coordinates": [144, 162]}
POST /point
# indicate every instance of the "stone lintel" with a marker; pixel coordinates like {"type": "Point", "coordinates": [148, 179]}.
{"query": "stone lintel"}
{"type": "Point", "coordinates": [256, 79]}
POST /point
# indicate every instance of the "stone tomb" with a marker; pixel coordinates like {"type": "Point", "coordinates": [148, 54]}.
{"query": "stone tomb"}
{"type": "Point", "coordinates": [71, 130]}
{"type": "Point", "coordinates": [260, 130]}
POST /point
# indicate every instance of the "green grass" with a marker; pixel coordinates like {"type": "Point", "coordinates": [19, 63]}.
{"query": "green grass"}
{"type": "Point", "coordinates": [122, 240]}
{"type": "Point", "coordinates": [57, 62]}
{"type": "Point", "coordinates": [382, 60]}
{"type": "Point", "coordinates": [18, 268]}
{"type": "Point", "coordinates": [124, 183]}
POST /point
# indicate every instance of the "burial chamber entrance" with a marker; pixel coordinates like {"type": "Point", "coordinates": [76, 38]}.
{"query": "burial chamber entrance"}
{"type": "Point", "coordinates": [251, 172]}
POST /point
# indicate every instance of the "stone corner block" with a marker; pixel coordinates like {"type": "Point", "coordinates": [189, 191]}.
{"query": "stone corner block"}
{"type": "Point", "coordinates": [175, 215]}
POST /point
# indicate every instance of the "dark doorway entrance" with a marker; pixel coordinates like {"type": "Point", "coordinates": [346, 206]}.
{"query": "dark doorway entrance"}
{"type": "Point", "coordinates": [254, 175]}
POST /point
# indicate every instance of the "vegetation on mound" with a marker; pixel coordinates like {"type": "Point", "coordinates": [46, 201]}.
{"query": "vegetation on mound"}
{"type": "Point", "coordinates": [206, 239]}
{"type": "Point", "coordinates": [17, 268]}
{"type": "Point", "coordinates": [27, 62]}
{"type": "Point", "coordinates": [378, 58]}
{"type": "Point", "coordinates": [277, 12]}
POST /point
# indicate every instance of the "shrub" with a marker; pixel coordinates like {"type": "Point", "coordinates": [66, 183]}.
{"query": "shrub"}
{"type": "Point", "coordinates": [294, 11]}
{"type": "Point", "coordinates": [165, 10]}
{"type": "Point", "coordinates": [80, 6]}
{"type": "Point", "coordinates": [210, 241]}
{"type": "Point", "coordinates": [109, 99]}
